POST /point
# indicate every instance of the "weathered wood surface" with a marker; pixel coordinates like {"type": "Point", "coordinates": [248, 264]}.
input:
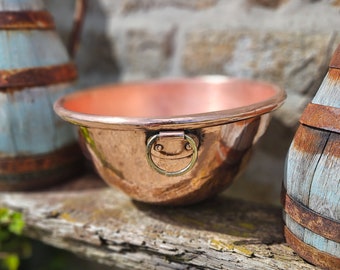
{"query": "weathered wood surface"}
{"type": "Point", "coordinates": [88, 218]}
{"type": "Point", "coordinates": [35, 70]}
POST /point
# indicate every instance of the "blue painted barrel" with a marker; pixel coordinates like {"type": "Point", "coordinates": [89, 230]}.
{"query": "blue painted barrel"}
{"type": "Point", "coordinates": [37, 148]}
{"type": "Point", "coordinates": [311, 193]}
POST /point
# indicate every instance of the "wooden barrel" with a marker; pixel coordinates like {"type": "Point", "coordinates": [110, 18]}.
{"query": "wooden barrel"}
{"type": "Point", "coordinates": [37, 148]}
{"type": "Point", "coordinates": [311, 193]}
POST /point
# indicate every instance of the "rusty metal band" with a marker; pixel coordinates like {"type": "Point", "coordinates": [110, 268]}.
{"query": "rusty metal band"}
{"type": "Point", "coordinates": [322, 117]}
{"type": "Point", "coordinates": [37, 76]}
{"type": "Point", "coordinates": [15, 20]}
{"type": "Point", "coordinates": [310, 253]}
{"type": "Point", "coordinates": [311, 220]}
{"type": "Point", "coordinates": [36, 163]}
{"type": "Point", "coordinates": [41, 179]}
{"type": "Point", "coordinates": [78, 21]}
{"type": "Point", "coordinates": [335, 61]}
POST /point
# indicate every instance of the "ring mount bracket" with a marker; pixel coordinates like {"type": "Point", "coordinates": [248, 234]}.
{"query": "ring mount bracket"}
{"type": "Point", "coordinates": [172, 146]}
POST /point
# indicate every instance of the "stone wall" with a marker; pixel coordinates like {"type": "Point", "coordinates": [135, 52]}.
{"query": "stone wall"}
{"type": "Point", "coordinates": [287, 42]}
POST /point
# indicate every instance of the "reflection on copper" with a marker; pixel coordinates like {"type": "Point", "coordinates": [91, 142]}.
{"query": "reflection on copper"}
{"type": "Point", "coordinates": [137, 134]}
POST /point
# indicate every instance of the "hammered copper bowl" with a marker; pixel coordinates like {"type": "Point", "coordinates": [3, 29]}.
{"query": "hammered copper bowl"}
{"type": "Point", "coordinates": [174, 141]}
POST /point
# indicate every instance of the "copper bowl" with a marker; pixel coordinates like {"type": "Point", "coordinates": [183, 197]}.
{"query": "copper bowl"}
{"type": "Point", "coordinates": [173, 141]}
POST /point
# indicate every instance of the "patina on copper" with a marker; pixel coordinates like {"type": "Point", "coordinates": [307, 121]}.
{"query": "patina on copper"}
{"type": "Point", "coordinates": [310, 253]}
{"type": "Point", "coordinates": [311, 220]}
{"type": "Point", "coordinates": [322, 117]}
{"type": "Point", "coordinates": [14, 20]}
{"type": "Point", "coordinates": [37, 76]}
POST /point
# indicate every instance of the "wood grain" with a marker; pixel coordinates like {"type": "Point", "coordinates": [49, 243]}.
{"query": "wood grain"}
{"type": "Point", "coordinates": [313, 174]}
{"type": "Point", "coordinates": [328, 93]}
{"type": "Point", "coordinates": [302, 161]}
{"type": "Point", "coordinates": [102, 224]}
{"type": "Point", "coordinates": [35, 70]}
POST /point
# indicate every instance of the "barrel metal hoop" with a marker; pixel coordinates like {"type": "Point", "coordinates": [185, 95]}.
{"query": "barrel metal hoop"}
{"type": "Point", "coordinates": [39, 162]}
{"type": "Point", "coordinates": [16, 20]}
{"type": "Point", "coordinates": [335, 61]}
{"type": "Point", "coordinates": [310, 253]}
{"type": "Point", "coordinates": [322, 117]}
{"type": "Point", "coordinates": [311, 220]}
{"type": "Point", "coordinates": [37, 76]}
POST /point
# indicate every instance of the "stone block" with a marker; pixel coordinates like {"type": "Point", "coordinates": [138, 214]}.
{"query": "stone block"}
{"type": "Point", "coordinates": [132, 6]}
{"type": "Point", "coordinates": [95, 62]}
{"type": "Point", "coordinates": [267, 3]}
{"type": "Point", "coordinates": [295, 61]}
{"type": "Point", "coordinates": [145, 53]}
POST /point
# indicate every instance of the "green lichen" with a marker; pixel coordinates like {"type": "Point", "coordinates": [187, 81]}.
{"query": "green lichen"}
{"type": "Point", "coordinates": [220, 245]}
{"type": "Point", "coordinates": [89, 140]}
{"type": "Point", "coordinates": [67, 217]}
{"type": "Point", "coordinates": [248, 226]}
{"type": "Point", "coordinates": [86, 135]}
{"type": "Point", "coordinates": [243, 250]}
{"type": "Point", "coordinates": [223, 246]}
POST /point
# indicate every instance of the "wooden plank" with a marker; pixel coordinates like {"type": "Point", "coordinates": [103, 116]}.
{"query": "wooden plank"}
{"type": "Point", "coordinates": [313, 179]}
{"type": "Point", "coordinates": [102, 224]}
{"type": "Point", "coordinates": [21, 4]}
{"type": "Point", "coordinates": [325, 190]}
{"type": "Point", "coordinates": [329, 91]}
{"type": "Point", "coordinates": [27, 49]}
{"type": "Point", "coordinates": [28, 124]}
{"type": "Point", "coordinates": [303, 158]}
{"type": "Point", "coordinates": [320, 243]}
{"type": "Point", "coordinates": [312, 174]}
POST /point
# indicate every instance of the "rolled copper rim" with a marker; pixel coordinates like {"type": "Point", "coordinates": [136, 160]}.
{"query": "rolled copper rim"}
{"type": "Point", "coordinates": [37, 76]}
{"type": "Point", "coordinates": [28, 164]}
{"type": "Point", "coordinates": [311, 220]}
{"type": "Point", "coordinates": [322, 117]}
{"type": "Point", "coordinates": [15, 20]}
{"type": "Point", "coordinates": [310, 253]}
{"type": "Point", "coordinates": [176, 120]}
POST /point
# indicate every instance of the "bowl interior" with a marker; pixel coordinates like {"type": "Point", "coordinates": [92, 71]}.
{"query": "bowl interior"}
{"type": "Point", "coordinates": [169, 98]}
